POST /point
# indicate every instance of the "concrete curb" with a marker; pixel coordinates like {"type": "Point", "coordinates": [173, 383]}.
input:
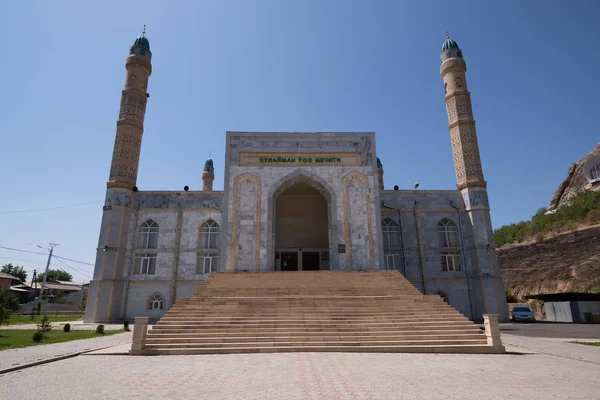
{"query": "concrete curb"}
{"type": "Point", "coordinates": [48, 360]}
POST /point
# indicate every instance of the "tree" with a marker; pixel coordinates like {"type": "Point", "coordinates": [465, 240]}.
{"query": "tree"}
{"type": "Point", "coordinates": [8, 304]}
{"type": "Point", "coordinates": [16, 271]}
{"type": "Point", "coordinates": [56, 275]}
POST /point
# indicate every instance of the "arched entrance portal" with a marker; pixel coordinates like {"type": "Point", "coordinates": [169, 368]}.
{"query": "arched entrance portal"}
{"type": "Point", "coordinates": [301, 228]}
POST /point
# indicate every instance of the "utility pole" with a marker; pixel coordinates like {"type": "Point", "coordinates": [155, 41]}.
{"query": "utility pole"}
{"type": "Point", "coordinates": [51, 249]}
{"type": "Point", "coordinates": [32, 283]}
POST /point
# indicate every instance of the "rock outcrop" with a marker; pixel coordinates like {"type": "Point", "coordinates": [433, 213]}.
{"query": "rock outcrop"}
{"type": "Point", "coordinates": [574, 184]}
{"type": "Point", "coordinates": [563, 263]}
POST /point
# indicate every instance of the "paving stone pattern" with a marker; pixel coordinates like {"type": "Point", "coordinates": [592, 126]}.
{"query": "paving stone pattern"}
{"type": "Point", "coordinates": [308, 376]}
{"type": "Point", "coordinates": [16, 357]}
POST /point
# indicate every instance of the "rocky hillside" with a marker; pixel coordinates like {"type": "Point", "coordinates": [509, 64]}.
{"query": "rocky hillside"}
{"type": "Point", "coordinates": [562, 263]}
{"type": "Point", "coordinates": [574, 184]}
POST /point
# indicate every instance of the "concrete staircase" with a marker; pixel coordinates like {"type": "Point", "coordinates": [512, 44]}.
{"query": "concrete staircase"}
{"type": "Point", "coordinates": [312, 311]}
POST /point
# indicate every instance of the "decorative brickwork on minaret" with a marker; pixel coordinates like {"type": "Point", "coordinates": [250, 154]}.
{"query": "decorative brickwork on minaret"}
{"type": "Point", "coordinates": [130, 125]}
{"type": "Point", "coordinates": [461, 124]}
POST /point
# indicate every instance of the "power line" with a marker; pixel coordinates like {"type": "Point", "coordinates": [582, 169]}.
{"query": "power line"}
{"type": "Point", "coordinates": [55, 256]}
{"type": "Point", "coordinates": [23, 251]}
{"type": "Point", "coordinates": [49, 209]}
{"type": "Point", "coordinates": [76, 261]}
{"type": "Point", "coordinates": [68, 266]}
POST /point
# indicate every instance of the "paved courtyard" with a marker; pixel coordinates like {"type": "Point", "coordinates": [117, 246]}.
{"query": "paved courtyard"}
{"type": "Point", "coordinates": [534, 369]}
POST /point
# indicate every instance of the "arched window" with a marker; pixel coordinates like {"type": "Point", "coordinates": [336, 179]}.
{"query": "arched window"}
{"type": "Point", "coordinates": [449, 245]}
{"type": "Point", "coordinates": [156, 302]}
{"type": "Point", "coordinates": [444, 296]}
{"type": "Point", "coordinates": [208, 248]}
{"type": "Point", "coordinates": [391, 233]}
{"type": "Point", "coordinates": [445, 88]}
{"type": "Point", "coordinates": [209, 235]}
{"type": "Point", "coordinates": [459, 82]}
{"type": "Point", "coordinates": [147, 235]}
{"type": "Point", "coordinates": [447, 233]}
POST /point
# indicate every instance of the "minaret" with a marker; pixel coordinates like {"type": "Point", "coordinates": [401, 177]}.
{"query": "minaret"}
{"type": "Point", "coordinates": [380, 173]}
{"type": "Point", "coordinates": [461, 124]}
{"type": "Point", "coordinates": [483, 266]}
{"type": "Point", "coordinates": [208, 175]}
{"type": "Point", "coordinates": [106, 292]}
{"type": "Point", "coordinates": [130, 125]}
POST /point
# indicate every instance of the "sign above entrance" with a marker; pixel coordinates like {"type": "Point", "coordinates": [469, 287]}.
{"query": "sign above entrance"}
{"type": "Point", "coordinates": [278, 159]}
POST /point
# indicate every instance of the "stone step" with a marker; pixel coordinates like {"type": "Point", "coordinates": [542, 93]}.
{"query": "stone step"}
{"type": "Point", "coordinates": [305, 333]}
{"type": "Point", "coordinates": [275, 339]}
{"type": "Point", "coordinates": [439, 348]}
{"type": "Point", "coordinates": [232, 330]}
{"type": "Point", "coordinates": [312, 319]}
{"type": "Point", "coordinates": [364, 342]}
{"type": "Point", "coordinates": [312, 311]}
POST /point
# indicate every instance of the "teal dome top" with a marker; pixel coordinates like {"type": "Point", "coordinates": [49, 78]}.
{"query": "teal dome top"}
{"type": "Point", "coordinates": [379, 164]}
{"type": "Point", "coordinates": [209, 162]}
{"type": "Point", "coordinates": [142, 41]}
{"type": "Point", "coordinates": [449, 44]}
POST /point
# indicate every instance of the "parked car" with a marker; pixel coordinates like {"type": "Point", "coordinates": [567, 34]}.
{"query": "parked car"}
{"type": "Point", "coordinates": [522, 314]}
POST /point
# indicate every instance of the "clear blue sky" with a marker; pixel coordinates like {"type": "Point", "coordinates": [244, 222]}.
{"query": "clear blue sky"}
{"type": "Point", "coordinates": [310, 65]}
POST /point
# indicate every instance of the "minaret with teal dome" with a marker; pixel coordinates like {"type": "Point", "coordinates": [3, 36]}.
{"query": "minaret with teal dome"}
{"type": "Point", "coordinates": [107, 286]}
{"type": "Point", "coordinates": [483, 265]}
{"type": "Point", "coordinates": [130, 124]}
{"type": "Point", "coordinates": [208, 175]}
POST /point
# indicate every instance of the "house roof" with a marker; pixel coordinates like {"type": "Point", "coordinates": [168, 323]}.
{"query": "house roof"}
{"type": "Point", "coordinates": [567, 296]}
{"type": "Point", "coordinates": [7, 276]}
{"type": "Point", "coordinates": [51, 286]}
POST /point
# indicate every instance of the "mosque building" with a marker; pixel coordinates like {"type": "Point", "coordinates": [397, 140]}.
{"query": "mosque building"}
{"type": "Point", "coordinates": [293, 201]}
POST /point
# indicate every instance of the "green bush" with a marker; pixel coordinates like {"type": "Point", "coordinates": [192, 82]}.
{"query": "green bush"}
{"type": "Point", "coordinates": [44, 325]}
{"type": "Point", "coordinates": [8, 305]}
{"type": "Point", "coordinates": [67, 327]}
{"type": "Point", "coordinates": [584, 208]}
{"type": "Point", "coordinates": [510, 298]}
{"type": "Point", "coordinates": [100, 329]}
{"type": "Point", "coordinates": [38, 336]}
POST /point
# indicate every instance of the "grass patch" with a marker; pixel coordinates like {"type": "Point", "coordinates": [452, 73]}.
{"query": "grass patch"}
{"type": "Point", "coordinates": [596, 344]}
{"type": "Point", "coordinates": [15, 338]}
{"type": "Point", "coordinates": [19, 319]}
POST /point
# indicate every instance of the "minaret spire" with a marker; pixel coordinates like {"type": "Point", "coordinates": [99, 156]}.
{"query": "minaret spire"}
{"type": "Point", "coordinates": [130, 124]}
{"type": "Point", "coordinates": [461, 124]}
{"type": "Point", "coordinates": [144, 31]}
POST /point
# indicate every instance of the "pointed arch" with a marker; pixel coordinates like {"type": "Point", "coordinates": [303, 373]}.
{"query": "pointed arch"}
{"type": "Point", "coordinates": [147, 235]}
{"type": "Point", "coordinates": [447, 233]}
{"type": "Point", "coordinates": [444, 296]}
{"type": "Point", "coordinates": [156, 301]}
{"type": "Point", "coordinates": [283, 183]}
{"type": "Point", "coordinates": [391, 233]}
{"type": "Point", "coordinates": [208, 235]}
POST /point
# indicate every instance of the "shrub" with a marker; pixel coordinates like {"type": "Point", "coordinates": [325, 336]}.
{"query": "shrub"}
{"type": "Point", "coordinates": [67, 327]}
{"type": "Point", "coordinates": [100, 329]}
{"type": "Point", "coordinates": [126, 325]}
{"type": "Point", "coordinates": [38, 336]}
{"type": "Point", "coordinates": [8, 305]}
{"type": "Point", "coordinates": [510, 298]}
{"type": "Point", "coordinates": [584, 208]}
{"type": "Point", "coordinates": [44, 325]}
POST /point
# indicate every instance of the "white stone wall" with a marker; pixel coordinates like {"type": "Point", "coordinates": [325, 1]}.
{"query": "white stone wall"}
{"type": "Point", "coordinates": [243, 209]}
{"type": "Point", "coordinates": [138, 296]}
